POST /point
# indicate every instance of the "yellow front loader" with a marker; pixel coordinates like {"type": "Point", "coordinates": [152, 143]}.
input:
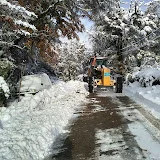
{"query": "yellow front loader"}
{"type": "Point", "coordinates": [100, 76]}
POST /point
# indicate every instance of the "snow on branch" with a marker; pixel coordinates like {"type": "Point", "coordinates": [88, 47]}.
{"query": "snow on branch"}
{"type": "Point", "coordinates": [137, 43]}
{"type": "Point", "coordinates": [25, 24]}
{"type": "Point", "coordinates": [18, 8]}
{"type": "Point", "coordinates": [2, 43]}
{"type": "Point", "coordinates": [53, 6]}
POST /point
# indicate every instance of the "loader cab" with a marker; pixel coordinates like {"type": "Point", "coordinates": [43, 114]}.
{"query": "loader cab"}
{"type": "Point", "coordinates": [100, 61]}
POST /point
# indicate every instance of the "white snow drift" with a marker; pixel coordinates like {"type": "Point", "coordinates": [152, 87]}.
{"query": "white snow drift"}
{"type": "Point", "coordinates": [4, 87]}
{"type": "Point", "coordinates": [35, 83]}
{"type": "Point", "coordinates": [29, 127]}
{"type": "Point", "coordinates": [147, 96]}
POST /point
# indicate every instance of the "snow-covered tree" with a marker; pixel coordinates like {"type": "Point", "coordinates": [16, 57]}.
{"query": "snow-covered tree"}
{"type": "Point", "coordinates": [153, 8]}
{"type": "Point", "coordinates": [107, 39]}
{"type": "Point", "coordinates": [30, 29]}
{"type": "Point", "coordinates": [52, 19]}
{"type": "Point", "coordinates": [139, 27]}
{"type": "Point", "coordinates": [123, 34]}
{"type": "Point", "coordinates": [71, 59]}
{"type": "Point", "coordinates": [153, 12]}
{"type": "Point", "coordinates": [14, 24]}
{"type": "Point", "coordinates": [15, 28]}
{"type": "Point", "coordinates": [107, 27]}
{"type": "Point", "coordinates": [139, 35]}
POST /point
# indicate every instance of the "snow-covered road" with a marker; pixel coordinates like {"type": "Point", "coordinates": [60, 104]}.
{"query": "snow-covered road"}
{"type": "Point", "coordinates": [111, 127]}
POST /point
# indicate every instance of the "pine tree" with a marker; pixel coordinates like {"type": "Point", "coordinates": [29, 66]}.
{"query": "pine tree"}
{"type": "Point", "coordinates": [108, 31]}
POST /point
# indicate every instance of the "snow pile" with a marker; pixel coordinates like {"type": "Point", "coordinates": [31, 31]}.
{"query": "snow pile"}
{"type": "Point", "coordinates": [141, 129]}
{"type": "Point", "coordinates": [148, 76]}
{"type": "Point", "coordinates": [145, 140]}
{"type": "Point", "coordinates": [29, 127]}
{"type": "Point", "coordinates": [35, 83]}
{"type": "Point", "coordinates": [4, 87]}
{"type": "Point", "coordinates": [148, 96]}
{"type": "Point", "coordinates": [145, 88]}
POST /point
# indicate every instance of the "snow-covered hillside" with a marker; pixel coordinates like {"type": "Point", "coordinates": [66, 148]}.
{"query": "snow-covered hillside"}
{"type": "Point", "coordinates": [28, 128]}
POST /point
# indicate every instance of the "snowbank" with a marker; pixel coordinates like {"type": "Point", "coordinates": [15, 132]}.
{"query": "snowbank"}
{"type": "Point", "coordinates": [148, 97]}
{"type": "Point", "coordinates": [29, 127]}
{"type": "Point", "coordinates": [4, 87]}
{"type": "Point", "coordinates": [35, 83]}
{"type": "Point", "coordinates": [145, 88]}
{"type": "Point", "coordinates": [148, 76]}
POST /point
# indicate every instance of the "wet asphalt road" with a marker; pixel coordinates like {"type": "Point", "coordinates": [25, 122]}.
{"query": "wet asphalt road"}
{"type": "Point", "coordinates": [101, 131]}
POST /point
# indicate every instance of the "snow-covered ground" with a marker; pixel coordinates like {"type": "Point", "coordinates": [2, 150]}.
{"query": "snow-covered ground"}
{"type": "Point", "coordinates": [147, 96]}
{"type": "Point", "coordinates": [29, 127]}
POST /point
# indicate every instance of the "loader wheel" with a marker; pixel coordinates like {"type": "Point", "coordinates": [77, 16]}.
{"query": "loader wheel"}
{"type": "Point", "coordinates": [119, 85]}
{"type": "Point", "coordinates": [91, 85]}
{"type": "Point", "coordinates": [85, 79]}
